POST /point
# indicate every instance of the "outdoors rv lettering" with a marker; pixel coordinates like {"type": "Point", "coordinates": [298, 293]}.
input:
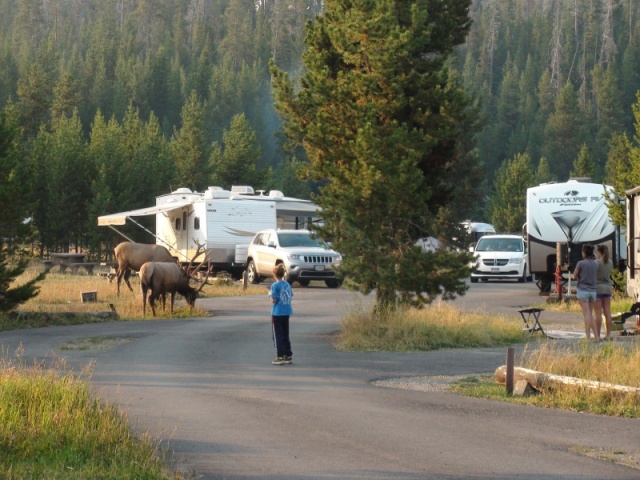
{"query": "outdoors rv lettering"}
{"type": "Point", "coordinates": [570, 200]}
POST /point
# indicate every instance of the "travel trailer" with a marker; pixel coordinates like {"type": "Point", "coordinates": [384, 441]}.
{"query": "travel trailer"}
{"type": "Point", "coordinates": [570, 214]}
{"type": "Point", "coordinates": [477, 230]}
{"type": "Point", "coordinates": [225, 221]}
{"type": "Point", "coordinates": [633, 245]}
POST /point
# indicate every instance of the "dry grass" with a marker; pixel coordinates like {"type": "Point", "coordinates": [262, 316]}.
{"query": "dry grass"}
{"type": "Point", "coordinates": [437, 326]}
{"type": "Point", "coordinates": [63, 293]}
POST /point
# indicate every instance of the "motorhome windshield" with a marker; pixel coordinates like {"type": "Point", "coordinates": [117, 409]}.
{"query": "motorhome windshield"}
{"type": "Point", "coordinates": [298, 240]}
{"type": "Point", "coordinates": [491, 244]}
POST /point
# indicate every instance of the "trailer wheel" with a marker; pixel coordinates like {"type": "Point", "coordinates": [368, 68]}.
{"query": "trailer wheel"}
{"type": "Point", "coordinates": [252, 274]}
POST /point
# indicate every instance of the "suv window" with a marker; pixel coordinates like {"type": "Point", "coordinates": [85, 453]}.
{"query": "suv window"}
{"type": "Point", "coordinates": [298, 240]}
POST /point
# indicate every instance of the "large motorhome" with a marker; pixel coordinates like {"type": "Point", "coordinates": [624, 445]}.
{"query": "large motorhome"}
{"type": "Point", "coordinates": [225, 221]}
{"type": "Point", "coordinates": [570, 214]}
{"type": "Point", "coordinates": [633, 245]}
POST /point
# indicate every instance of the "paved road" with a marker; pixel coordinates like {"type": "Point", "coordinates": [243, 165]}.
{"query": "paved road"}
{"type": "Point", "coordinates": [207, 390]}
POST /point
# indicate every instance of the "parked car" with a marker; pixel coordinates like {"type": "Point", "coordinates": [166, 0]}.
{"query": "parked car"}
{"type": "Point", "coordinates": [500, 257]}
{"type": "Point", "coordinates": [305, 257]}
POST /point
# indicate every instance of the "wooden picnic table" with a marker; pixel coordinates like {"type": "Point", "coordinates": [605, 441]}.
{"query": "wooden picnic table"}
{"type": "Point", "coordinates": [73, 261]}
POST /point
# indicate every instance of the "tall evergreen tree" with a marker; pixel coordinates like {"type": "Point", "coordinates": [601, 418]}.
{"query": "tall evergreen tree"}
{"type": "Point", "coordinates": [380, 119]}
{"type": "Point", "coordinates": [510, 200]}
{"type": "Point", "coordinates": [564, 132]}
{"type": "Point", "coordinates": [189, 146]}
{"type": "Point", "coordinates": [236, 163]}
{"type": "Point", "coordinates": [583, 165]}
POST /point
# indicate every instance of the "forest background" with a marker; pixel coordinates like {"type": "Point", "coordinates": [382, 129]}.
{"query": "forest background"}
{"type": "Point", "coordinates": [118, 101]}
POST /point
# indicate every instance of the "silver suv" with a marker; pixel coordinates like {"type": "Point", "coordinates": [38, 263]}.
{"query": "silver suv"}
{"type": "Point", "coordinates": [305, 258]}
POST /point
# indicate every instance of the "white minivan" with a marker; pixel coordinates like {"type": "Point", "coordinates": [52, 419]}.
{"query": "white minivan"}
{"type": "Point", "coordinates": [500, 257]}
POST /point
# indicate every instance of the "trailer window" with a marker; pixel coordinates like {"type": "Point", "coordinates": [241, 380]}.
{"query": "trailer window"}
{"type": "Point", "coordinates": [178, 223]}
{"type": "Point", "coordinates": [196, 223]}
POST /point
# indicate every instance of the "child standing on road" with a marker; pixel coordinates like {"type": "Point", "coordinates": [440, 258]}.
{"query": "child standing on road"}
{"type": "Point", "coordinates": [281, 297]}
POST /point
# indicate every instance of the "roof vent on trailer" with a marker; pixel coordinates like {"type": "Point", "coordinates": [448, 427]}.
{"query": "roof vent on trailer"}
{"type": "Point", "coordinates": [216, 192]}
{"type": "Point", "coordinates": [182, 190]}
{"type": "Point", "coordinates": [276, 194]}
{"type": "Point", "coordinates": [242, 189]}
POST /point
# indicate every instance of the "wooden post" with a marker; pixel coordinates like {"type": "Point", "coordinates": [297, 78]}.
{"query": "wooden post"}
{"type": "Point", "coordinates": [245, 279]}
{"type": "Point", "coordinates": [510, 367]}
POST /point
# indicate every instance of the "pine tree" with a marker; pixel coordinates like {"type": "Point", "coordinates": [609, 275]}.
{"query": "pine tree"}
{"type": "Point", "coordinates": [583, 166]}
{"type": "Point", "coordinates": [237, 162]}
{"type": "Point", "coordinates": [190, 151]}
{"type": "Point", "coordinates": [12, 213]}
{"type": "Point", "coordinates": [544, 173]}
{"type": "Point", "coordinates": [510, 200]}
{"type": "Point", "coordinates": [380, 118]}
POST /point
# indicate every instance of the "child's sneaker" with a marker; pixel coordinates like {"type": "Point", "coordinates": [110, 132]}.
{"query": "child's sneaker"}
{"type": "Point", "coordinates": [288, 359]}
{"type": "Point", "coordinates": [278, 361]}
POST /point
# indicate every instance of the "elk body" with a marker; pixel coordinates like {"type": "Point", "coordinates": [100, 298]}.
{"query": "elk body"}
{"type": "Point", "coordinates": [131, 256]}
{"type": "Point", "coordinates": [160, 278]}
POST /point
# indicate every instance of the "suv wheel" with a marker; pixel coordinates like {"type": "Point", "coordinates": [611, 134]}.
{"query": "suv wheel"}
{"type": "Point", "coordinates": [304, 283]}
{"type": "Point", "coordinates": [252, 273]}
{"type": "Point", "coordinates": [474, 279]}
{"type": "Point", "coordinates": [333, 283]}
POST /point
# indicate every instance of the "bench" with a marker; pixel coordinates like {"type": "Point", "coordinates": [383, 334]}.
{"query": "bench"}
{"type": "Point", "coordinates": [620, 318]}
{"type": "Point", "coordinates": [531, 320]}
{"type": "Point", "coordinates": [88, 266]}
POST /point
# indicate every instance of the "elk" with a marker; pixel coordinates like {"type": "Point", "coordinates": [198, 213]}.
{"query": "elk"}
{"type": "Point", "coordinates": [131, 256]}
{"type": "Point", "coordinates": [161, 278]}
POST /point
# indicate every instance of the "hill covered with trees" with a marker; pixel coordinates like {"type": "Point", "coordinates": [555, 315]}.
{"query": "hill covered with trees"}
{"type": "Point", "coordinates": [117, 101]}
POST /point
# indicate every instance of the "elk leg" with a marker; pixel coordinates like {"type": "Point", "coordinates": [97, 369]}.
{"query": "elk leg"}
{"type": "Point", "coordinates": [173, 297]}
{"type": "Point", "coordinates": [144, 300]}
{"type": "Point", "coordinates": [152, 302]}
{"type": "Point", "coordinates": [127, 274]}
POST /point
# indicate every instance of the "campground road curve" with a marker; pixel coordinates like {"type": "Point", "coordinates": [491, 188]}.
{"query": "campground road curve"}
{"type": "Point", "coordinates": [207, 390]}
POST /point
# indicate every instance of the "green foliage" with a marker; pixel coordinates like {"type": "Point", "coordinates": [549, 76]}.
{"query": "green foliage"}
{"type": "Point", "coordinates": [236, 163]}
{"type": "Point", "coordinates": [543, 172]}
{"type": "Point", "coordinates": [11, 296]}
{"type": "Point", "coordinates": [509, 201]}
{"type": "Point", "coordinates": [189, 147]}
{"type": "Point", "coordinates": [583, 165]}
{"type": "Point", "coordinates": [12, 213]}
{"type": "Point", "coordinates": [380, 118]}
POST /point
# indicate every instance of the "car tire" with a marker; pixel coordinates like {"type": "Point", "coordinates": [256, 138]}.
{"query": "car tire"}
{"type": "Point", "coordinates": [333, 283]}
{"type": "Point", "coordinates": [523, 277]}
{"type": "Point", "coordinates": [304, 283]}
{"type": "Point", "coordinates": [252, 273]}
{"type": "Point", "coordinates": [474, 280]}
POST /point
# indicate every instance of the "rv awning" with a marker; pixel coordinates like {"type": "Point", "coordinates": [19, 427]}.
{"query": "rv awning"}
{"type": "Point", "coordinates": [121, 218]}
{"type": "Point", "coordinates": [297, 209]}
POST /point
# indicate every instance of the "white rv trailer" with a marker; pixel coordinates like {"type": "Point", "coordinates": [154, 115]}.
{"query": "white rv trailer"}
{"type": "Point", "coordinates": [633, 245]}
{"type": "Point", "coordinates": [224, 221]}
{"type": "Point", "coordinates": [572, 214]}
{"type": "Point", "coordinates": [477, 230]}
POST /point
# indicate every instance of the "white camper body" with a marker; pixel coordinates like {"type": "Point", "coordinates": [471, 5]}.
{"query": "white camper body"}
{"type": "Point", "coordinates": [633, 245]}
{"type": "Point", "coordinates": [224, 221]}
{"type": "Point", "coordinates": [572, 214]}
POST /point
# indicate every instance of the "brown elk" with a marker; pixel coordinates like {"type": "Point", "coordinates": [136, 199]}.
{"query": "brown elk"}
{"type": "Point", "coordinates": [131, 256]}
{"type": "Point", "coordinates": [161, 278]}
